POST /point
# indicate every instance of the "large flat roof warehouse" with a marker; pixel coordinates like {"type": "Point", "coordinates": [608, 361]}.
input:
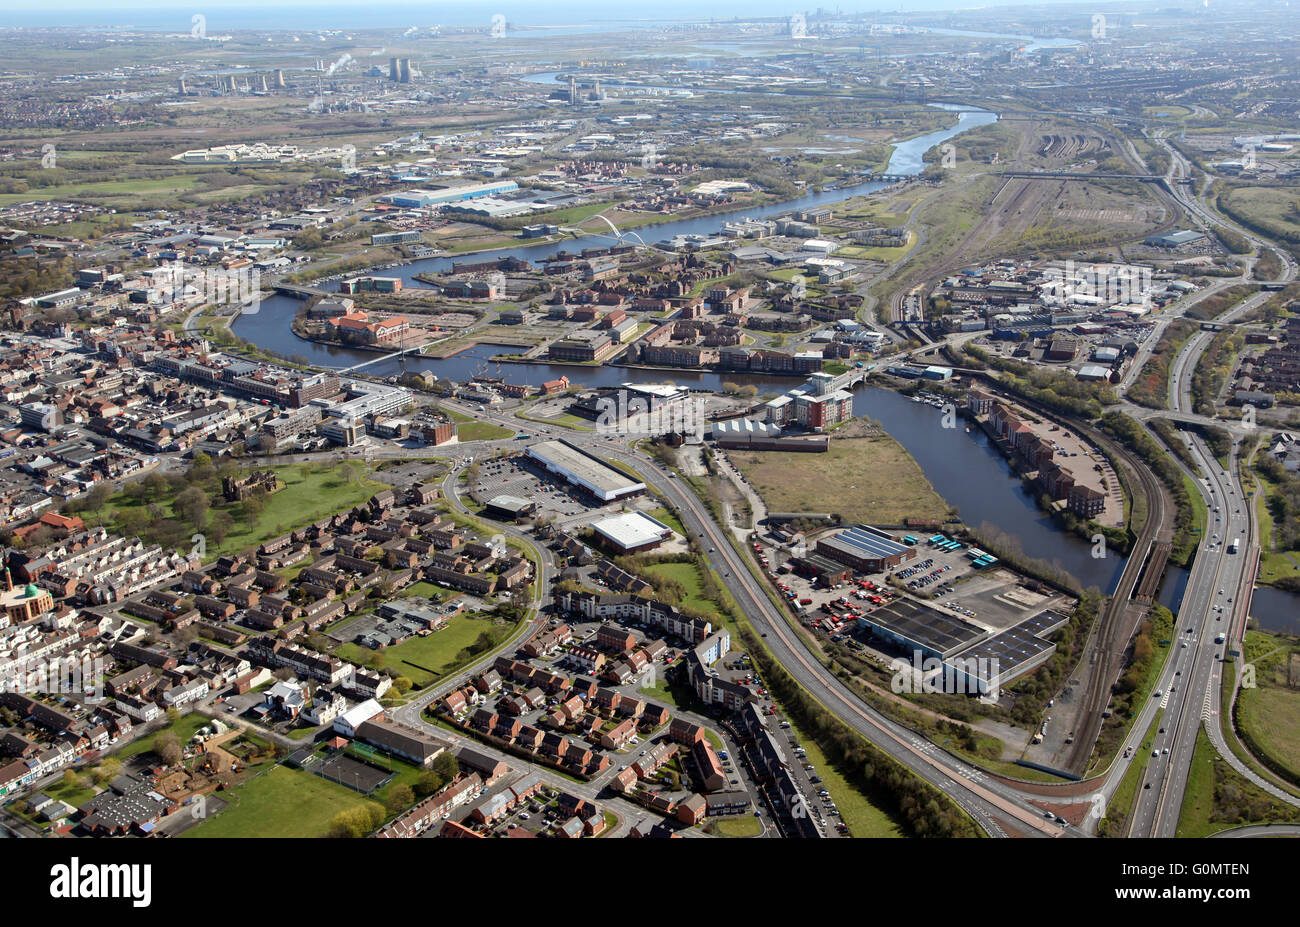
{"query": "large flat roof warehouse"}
{"type": "Point", "coordinates": [1020, 646]}
{"type": "Point", "coordinates": [632, 531]}
{"type": "Point", "coordinates": [912, 625]}
{"type": "Point", "coordinates": [582, 469]}
{"type": "Point", "coordinates": [1010, 653]}
{"type": "Point", "coordinates": [1174, 239]}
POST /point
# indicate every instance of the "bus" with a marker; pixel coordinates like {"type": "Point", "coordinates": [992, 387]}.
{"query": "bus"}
{"type": "Point", "coordinates": [1236, 543]}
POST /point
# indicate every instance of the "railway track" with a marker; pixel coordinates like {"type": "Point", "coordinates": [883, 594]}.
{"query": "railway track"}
{"type": "Point", "coordinates": [1118, 623]}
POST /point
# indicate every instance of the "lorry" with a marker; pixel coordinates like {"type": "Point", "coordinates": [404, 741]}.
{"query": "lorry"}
{"type": "Point", "coordinates": [1234, 546]}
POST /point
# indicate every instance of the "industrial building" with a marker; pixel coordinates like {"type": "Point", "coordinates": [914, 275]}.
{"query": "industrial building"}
{"type": "Point", "coordinates": [914, 627]}
{"type": "Point", "coordinates": [423, 198]}
{"type": "Point", "coordinates": [972, 659]}
{"type": "Point", "coordinates": [509, 508]}
{"type": "Point", "coordinates": [1175, 239]}
{"type": "Point", "coordinates": [865, 549]}
{"type": "Point", "coordinates": [994, 662]}
{"type": "Point", "coordinates": [581, 469]}
{"type": "Point", "coordinates": [632, 532]}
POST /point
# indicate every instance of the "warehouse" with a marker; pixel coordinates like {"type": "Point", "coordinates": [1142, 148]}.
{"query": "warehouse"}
{"type": "Point", "coordinates": [420, 198]}
{"type": "Point", "coordinates": [914, 627]}
{"type": "Point", "coordinates": [632, 532]}
{"type": "Point", "coordinates": [509, 508]}
{"type": "Point", "coordinates": [866, 549]}
{"type": "Point", "coordinates": [1093, 372]}
{"type": "Point", "coordinates": [993, 663]}
{"type": "Point", "coordinates": [1175, 239]}
{"type": "Point", "coordinates": [589, 473]}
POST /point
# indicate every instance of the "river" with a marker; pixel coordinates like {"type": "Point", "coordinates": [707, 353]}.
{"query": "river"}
{"type": "Point", "coordinates": [269, 325]}
{"type": "Point", "coordinates": [964, 468]}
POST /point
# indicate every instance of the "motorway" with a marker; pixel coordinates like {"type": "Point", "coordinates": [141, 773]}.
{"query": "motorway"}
{"type": "Point", "coordinates": [1189, 682]}
{"type": "Point", "coordinates": [1216, 599]}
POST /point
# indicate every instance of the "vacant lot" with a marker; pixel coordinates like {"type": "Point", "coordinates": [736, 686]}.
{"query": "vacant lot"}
{"type": "Point", "coordinates": [1272, 208]}
{"type": "Point", "coordinates": [424, 659]}
{"type": "Point", "coordinates": [467, 429]}
{"type": "Point", "coordinates": [282, 803]}
{"type": "Point", "coordinates": [870, 480]}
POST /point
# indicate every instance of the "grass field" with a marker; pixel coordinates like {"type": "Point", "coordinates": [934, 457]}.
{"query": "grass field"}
{"type": "Point", "coordinates": [1272, 207]}
{"type": "Point", "coordinates": [467, 429]}
{"type": "Point", "coordinates": [741, 825]}
{"type": "Point", "coordinates": [669, 519]}
{"type": "Point", "coordinates": [1166, 111]}
{"type": "Point", "coordinates": [427, 590]}
{"type": "Point", "coordinates": [1217, 798]}
{"type": "Point", "coordinates": [424, 659]}
{"type": "Point", "coordinates": [140, 190]}
{"type": "Point", "coordinates": [306, 497]}
{"type": "Point", "coordinates": [1273, 564]}
{"type": "Point", "coordinates": [74, 795]}
{"type": "Point", "coordinates": [309, 493]}
{"type": "Point", "coordinates": [280, 803]}
{"type": "Point", "coordinates": [687, 576]}
{"type": "Point", "coordinates": [661, 692]}
{"type": "Point", "coordinates": [1269, 713]}
{"type": "Point", "coordinates": [184, 728]}
{"type": "Point", "coordinates": [877, 252]}
{"type": "Point", "coordinates": [1271, 716]}
{"type": "Point", "coordinates": [872, 480]}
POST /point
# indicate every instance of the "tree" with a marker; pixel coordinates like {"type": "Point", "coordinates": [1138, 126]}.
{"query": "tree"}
{"type": "Point", "coordinates": [192, 505]}
{"type": "Point", "coordinates": [219, 526]}
{"type": "Point", "coordinates": [98, 495]}
{"type": "Point", "coordinates": [400, 797]}
{"type": "Point", "coordinates": [353, 823]}
{"type": "Point", "coordinates": [71, 780]}
{"type": "Point", "coordinates": [156, 485]}
{"type": "Point", "coordinates": [167, 747]}
{"type": "Point", "coordinates": [107, 771]}
{"type": "Point", "coordinates": [445, 765]}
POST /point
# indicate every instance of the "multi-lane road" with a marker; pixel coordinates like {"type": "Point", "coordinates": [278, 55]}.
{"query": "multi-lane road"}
{"type": "Point", "coordinates": [1188, 684]}
{"type": "Point", "coordinates": [1211, 618]}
